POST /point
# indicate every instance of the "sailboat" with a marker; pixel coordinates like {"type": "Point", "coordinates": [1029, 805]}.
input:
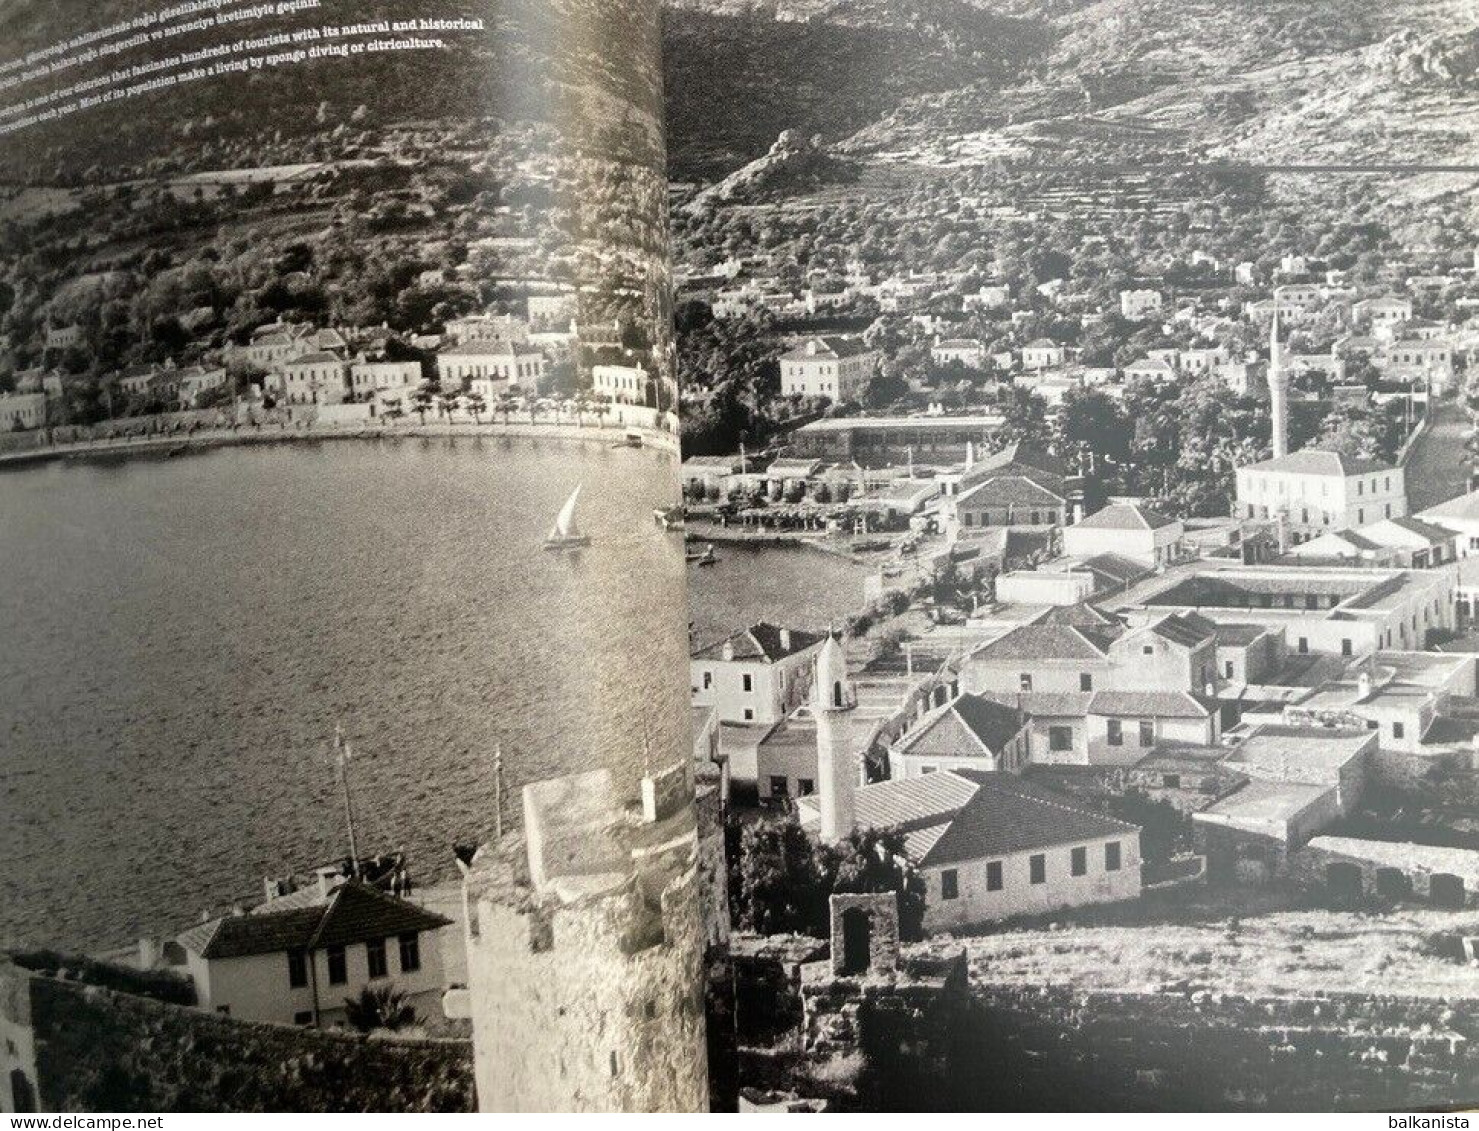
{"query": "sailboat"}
{"type": "Point", "coordinates": [565, 535]}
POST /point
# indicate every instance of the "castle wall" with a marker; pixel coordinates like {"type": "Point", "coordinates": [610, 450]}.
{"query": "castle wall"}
{"type": "Point", "coordinates": [915, 1046]}
{"type": "Point", "coordinates": [1178, 1051]}
{"type": "Point", "coordinates": [93, 1049]}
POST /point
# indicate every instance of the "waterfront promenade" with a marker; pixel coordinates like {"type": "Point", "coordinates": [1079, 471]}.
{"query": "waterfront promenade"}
{"type": "Point", "coordinates": [245, 435]}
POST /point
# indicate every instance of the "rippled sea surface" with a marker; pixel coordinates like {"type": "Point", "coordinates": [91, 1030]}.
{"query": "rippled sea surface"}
{"type": "Point", "coordinates": [179, 637]}
{"type": "Point", "coordinates": [790, 585]}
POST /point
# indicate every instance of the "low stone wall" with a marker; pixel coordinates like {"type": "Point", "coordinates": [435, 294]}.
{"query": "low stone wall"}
{"type": "Point", "coordinates": [93, 1049]}
{"type": "Point", "coordinates": [1175, 1051]}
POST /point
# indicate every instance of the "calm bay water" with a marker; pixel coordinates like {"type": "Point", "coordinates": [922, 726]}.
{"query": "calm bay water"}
{"type": "Point", "coordinates": [179, 637]}
{"type": "Point", "coordinates": [788, 585]}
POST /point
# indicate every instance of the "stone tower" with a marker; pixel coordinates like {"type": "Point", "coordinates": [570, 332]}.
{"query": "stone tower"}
{"type": "Point", "coordinates": [837, 764]}
{"type": "Point", "coordinates": [1278, 390]}
{"type": "Point", "coordinates": [585, 952]}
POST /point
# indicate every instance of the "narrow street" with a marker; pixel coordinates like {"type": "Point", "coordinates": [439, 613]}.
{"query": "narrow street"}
{"type": "Point", "coordinates": [1435, 469]}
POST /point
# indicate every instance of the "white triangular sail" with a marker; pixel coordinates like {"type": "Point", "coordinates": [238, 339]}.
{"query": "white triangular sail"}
{"type": "Point", "coordinates": [565, 524]}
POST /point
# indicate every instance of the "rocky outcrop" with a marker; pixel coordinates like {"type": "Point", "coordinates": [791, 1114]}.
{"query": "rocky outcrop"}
{"type": "Point", "coordinates": [794, 164]}
{"type": "Point", "coordinates": [1448, 61]}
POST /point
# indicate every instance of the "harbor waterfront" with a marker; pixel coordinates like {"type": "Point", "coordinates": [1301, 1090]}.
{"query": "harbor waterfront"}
{"type": "Point", "coordinates": [181, 637]}
{"type": "Point", "coordinates": [786, 584]}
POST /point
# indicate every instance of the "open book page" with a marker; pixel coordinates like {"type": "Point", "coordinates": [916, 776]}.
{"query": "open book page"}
{"type": "Point", "coordinates": [1077, 430]}
{"type": "Point", "coordinates": [345, 753]}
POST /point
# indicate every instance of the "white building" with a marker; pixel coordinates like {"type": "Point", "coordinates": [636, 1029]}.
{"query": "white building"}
{"type": "Point", "coordinates": [623, 384]}
{"type": "Point", "coordinates": [198, 380]}
{"type": "Point", "coordinates": [966, 733]}
{"type": "Point", "coordinates": [503, 363]}
{"type": "Point", "coordinates": [1136, 306]}
{"type": "Point", "coordinates": [369, 378]}
{"type": "Point", "coordinates": [295, 960]}
{"type": "Point", "coordinates": [1313, 492]}
{"type": "Point", "coordinates": [1460, 515]}
{"type": "Point", "coordinates": [757, 675]}
{"type": "Point", "coordinates": [967, 351]}
{"type": "Point", "coordinates": [314, 378]}
{"type": "Point", "coordinates": [832, 367]}
{"type": "Point", "coordinates": [19, 411]}
{"type": "Point", "coordinates": [1129, 530]}
{"type": "Point", "coordinates": [1043, 353]}
{"type": "Point", "coordinates": [991, 846]}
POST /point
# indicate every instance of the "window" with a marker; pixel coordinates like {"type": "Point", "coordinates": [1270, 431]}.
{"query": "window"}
{"type": "Point", "coordinates": [410, 952]}
{"type": "Point", "coordinates": [1148, 650]}
{"type": "Point", "coordinates": [1078, 862]}
{"type": "Point", "coordinates": [304, 1017]}
{"type": "Point", "coordinates": [1085, 682]}
{"type": "Point", "coordinates": [949, 884]}
{"type": "Point", "coordinates": [779, 787]}
{"type": "Point", "coordinates": [1345, 647]}
{"type": "Point", "coordinates": [993, 876]}
{"type": "Point", "coordinates": [1398, 730]}
{"type": "Point", "coordinates": [338, 968]}
{"type": "Point", "coordinates": [1147, 732]}
{"type": "Point", "coordinates": [1024, 681]}
{"type": "Point", "coordinates": [1037, 869]}
{"type": "Point", "coordinates": [297, 969]}
{"type": "Point", "coordinates": [1304, 645]}
{"type": "Point", "coordinates": [1116, 732]}
{"type": "Point", "coordinates": [1112, 856]}
{"type": "Point", "coordinates": [805, 787]}
{"type": "Point", "coordinates": [708, 680]}
{"type": "Point", "coordinates": [749, 714]}
{"type": "Point", "coordinates": [1228, 669]}
{"type": "Point", "coordinates": [375, 953]}
{"type": "Point", "coordinates": [749, 681]}
{"type": "Point", "coordinates": [1060, 738]}
{"type": "Point", "coordinates": [1171, 781]}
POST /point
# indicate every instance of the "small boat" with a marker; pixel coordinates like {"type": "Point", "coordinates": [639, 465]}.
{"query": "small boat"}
{"type": "Point", "coordinates": [701, 555]}
{"type": "Point", "coordinates": [633, 438]}
{"type": "Point", "coordinates": [565, 535]}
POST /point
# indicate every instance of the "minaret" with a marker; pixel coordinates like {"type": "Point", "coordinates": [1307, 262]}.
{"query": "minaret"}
{"type": "Point", "coordinates": [837, 764]}
{"type": "Point", "coordinates": [1278, 389]}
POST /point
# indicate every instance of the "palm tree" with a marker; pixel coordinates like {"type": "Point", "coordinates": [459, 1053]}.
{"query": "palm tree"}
{"type": "Point", "coordinates": [475, 404]}
{"type": "Point", "coordinates": [422, 401]}
{"type": "Point", "coordinates": [379, 1007]}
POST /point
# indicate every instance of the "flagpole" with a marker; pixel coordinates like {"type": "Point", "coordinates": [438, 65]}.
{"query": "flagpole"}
{"type": "Point", "coordinates": [343, 752]}
{"type": "Point", "coordinates": [498, 786]}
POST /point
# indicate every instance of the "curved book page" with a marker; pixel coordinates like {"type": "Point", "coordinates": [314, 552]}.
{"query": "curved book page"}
{"type": "Point", "coordinates": [346, 763]}
{"type": "Point", "coordinates": [1080, 414]}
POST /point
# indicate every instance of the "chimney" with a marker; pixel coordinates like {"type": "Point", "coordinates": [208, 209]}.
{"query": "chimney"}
{"type": "Point", "coordinates": [785, 640]}
{"type": "Point", "coordinates": [1210, 691]}
{"type": "Point", "coordinates": [728, 650]}
{"type": "Point", "coordinates": [1363, 686]}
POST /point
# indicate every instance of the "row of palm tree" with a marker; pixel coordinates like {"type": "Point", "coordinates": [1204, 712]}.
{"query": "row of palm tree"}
{"type": "Point", "coordinates": [429, 399]}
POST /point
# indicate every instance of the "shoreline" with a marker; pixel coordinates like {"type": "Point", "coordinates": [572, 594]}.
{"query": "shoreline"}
{"type": "Point", "coordinates": [155, 445]}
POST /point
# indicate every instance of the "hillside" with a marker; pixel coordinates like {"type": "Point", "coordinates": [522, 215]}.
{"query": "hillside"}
{"type": "Point", "coordinates": [1086, 83]}
{"type": "Point", "coordinates": [737, 77]}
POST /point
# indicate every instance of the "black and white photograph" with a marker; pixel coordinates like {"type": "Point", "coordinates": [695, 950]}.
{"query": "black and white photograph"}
{"type": "Point", "coordinates": [739, 556]}
{"type": "Point", "coordinates": [1077, 426]}
{"type": "Point", "coordinates": [342, 631]}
